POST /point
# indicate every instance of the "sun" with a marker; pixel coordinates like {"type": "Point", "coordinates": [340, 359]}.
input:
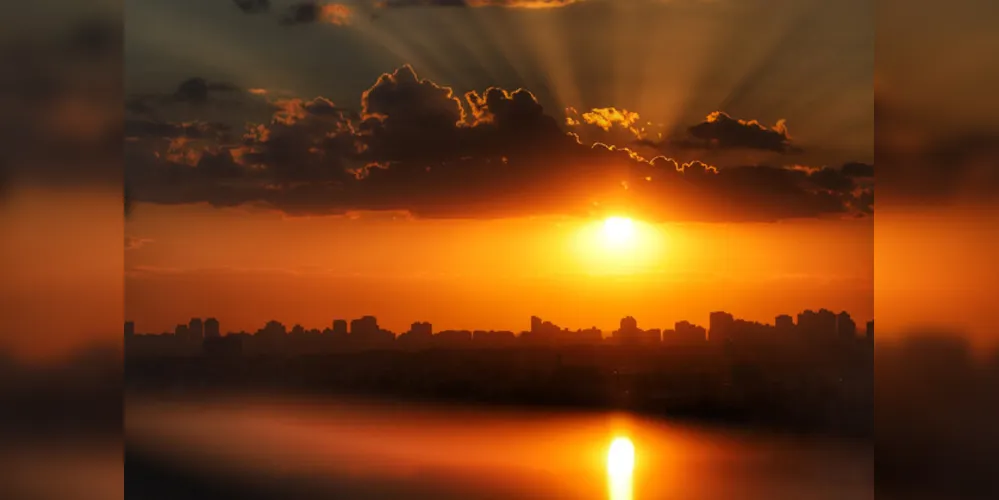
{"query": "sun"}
{"type": "Point", "coordinates": [619, 245]}
{"type": "Point", "coordinates": [621, 457]}
{"type": "Point", "coordinates": [619, 232]}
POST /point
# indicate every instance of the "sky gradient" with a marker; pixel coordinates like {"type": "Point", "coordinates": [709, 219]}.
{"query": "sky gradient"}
{"type": "Point", "coordinates": [445, 161]}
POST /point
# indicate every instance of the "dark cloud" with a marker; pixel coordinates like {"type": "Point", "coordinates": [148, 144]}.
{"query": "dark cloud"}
{"type": "Point", "coordinates": [721, 131]}
{"type": "Point", "coordinates": [925, 159]}
{"type": "Point", "coordinates": [196, 90]}
{"type": "Point", "coordinates": [512, 4]}
{"type": "Point", "coordinates": [831, 179]}
{"type": "Point", "coordinates": [392, 4]}
{"type": "Point", "coordinates": [315, 12]}
{"type": "Point", "coordinates": [416, 146]}
{"type": "Point", "coordinates": [62, 96]}
{"type": "Point", "coordinates": [197, 94]}
{"type": "Point", "coordinates": [857, 169]}
{"type": "Point", "coordinates": [137, 129]}
{"type": "Point", "coordinates": [253, 6]}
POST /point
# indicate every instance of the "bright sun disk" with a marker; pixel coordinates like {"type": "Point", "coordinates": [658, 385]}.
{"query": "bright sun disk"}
{"type": "Point", "coordinates": [619, 231]}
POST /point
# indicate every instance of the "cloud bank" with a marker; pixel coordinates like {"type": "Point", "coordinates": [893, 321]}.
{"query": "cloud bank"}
{"type": "Point", "coordinates": [415, 145]}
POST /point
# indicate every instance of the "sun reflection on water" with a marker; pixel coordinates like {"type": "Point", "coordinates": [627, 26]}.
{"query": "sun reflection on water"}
{"type": "Point", "coordinates": [620, 466]}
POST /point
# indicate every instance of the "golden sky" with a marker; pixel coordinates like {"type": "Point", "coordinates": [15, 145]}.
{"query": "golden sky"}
{"type": "Point", "coordinates": [248, 267]}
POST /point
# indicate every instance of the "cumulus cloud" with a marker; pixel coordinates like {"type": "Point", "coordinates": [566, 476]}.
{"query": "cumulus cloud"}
{"type": "Point", "coordinates": [719, 131]}
{"type": "Point", "coordinates": [415, 145]}
{"type": "Point", "coordinates": [606, 119]}
{"type": "Point", "coordinates": [315, 12]}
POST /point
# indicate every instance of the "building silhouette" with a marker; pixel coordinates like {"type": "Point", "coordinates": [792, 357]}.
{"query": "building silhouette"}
{"type": "Point", "coordinates": [629, 333]}
{"type": "Point", "coordinates": [340, 327]}
{"type": "Point", "coordinates": [453, 338]}
{"type": "Point", "coordinates": [721, 327]}
{"type": "Point", "coordinates": [180, 333]}
{"type": "Point", "coordinates": [212, 330]}
{"type": "Point", "coordinates": [365, 331]}
{"type": "Point", "coordinates": [196, 330]}
{"type": "Point", "coordinates": [821, 329]}
{"type": "Point", "coordinates": [483, 338]}
{"type": "Point", "coordinates": [821, 324]}
{"type": "Point", "coordinates": [686, 332]}
{"type": "Point", "coordinates": [784, 323]}
{"type": "Point", "coordinates": [420, 334]}
{"type": "Point", "coordinates": [845, 326]}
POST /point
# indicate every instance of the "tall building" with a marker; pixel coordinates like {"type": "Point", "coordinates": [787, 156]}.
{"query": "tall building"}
{"type": "Point", "coordinates": [784, 323]}
{"type": "Point", "coordinates": [535, 325]}
{"type": "Point", "coordinates": [340, 327]}
{"type": "Point", "coordinates": [422, 329]}
{"type": "Point", "coordinates": [845, 326]}
{"type": "Point", "coordinates": [720, 326]}
{"type": "Point", "coordinates": [273, 329]}
{"type": "Point", "coordinates": [818, 324]}
{"type": "Point", "coordinates": [365, 327]}
{"type": "Point", "coordinates": [686, 332]}
{"type": "Point", "coordinates": [196, 329]}
{"type": "Point", "coordinates": [212, 330]}
{"type": "Point", "coordinates": [181, 333]}
{"type": "Point", "coordinates": [629, 324]}
{"type": "Point", "coordinates": [129, 329]}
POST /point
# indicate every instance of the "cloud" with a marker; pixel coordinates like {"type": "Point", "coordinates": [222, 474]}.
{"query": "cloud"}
{"type": "Point", "coordinates": [720, 131]}
{"type": "Point", "coordinates": [253, 6]}
{"type": "Point", "coordinates": [147, 128]}
{"type": "Point", "coordinates": [196, 90]}
{"type": "Point", "coordinates": [416, 146]}
{"type": "Point", "coordinates": [314, 12]}
{"type": "Point", "coordinates": [606, 119]}
{"type": "Point", "coordinates": [511, 4]}
{"type": "Point", "coordinates": [857, 169]}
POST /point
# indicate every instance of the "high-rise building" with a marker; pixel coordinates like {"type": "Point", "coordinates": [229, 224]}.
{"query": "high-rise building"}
{"type": "Point", "coordinates": [845, 326]}
{"type": "Point", "coordinates": [535, 325]}
{"type": "Point", "coordinates": [422, 329]}
{"type": "Point", "coordinates": [365, 327]}
{"type": "Point", "coordinates": [820, 324]}
{"type": "Point", "coordinates": [784, 323]}
{"type": "Point", "coordinates": [720, 326]}
{"type": "Point", "coordinates": [629, 324]}
{"type": "Point", "coordinates": [129, 329]}
{"type": "Point", "coordinates": [686, 332]}
{"type": "Point", "coordinates": [196, 329]}
{"type": "Point", "coordinates": [181, 333]}
{"type": "Point", "coordinates": [340, 327]}
{"type": "Point", "coordinates": [273, 329]}
{"type": "Point", "coordinates": [212, 330]}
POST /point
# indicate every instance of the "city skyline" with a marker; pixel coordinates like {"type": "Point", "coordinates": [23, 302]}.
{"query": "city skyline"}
{"type": "Point", "coordinates": [841, 324]}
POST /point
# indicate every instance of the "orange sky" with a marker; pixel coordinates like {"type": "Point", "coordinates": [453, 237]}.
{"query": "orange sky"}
{"type": "Point", "coordinates": [248, 267]}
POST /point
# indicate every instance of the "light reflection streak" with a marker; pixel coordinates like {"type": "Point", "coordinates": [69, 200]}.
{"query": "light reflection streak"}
{"type": "Point", "coordinates": [620, 469]}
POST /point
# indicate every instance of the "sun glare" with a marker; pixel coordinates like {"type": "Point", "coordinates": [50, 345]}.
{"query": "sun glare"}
{"type": "Point", "coordinates": [620, 466]}
{"type": "Point", "coordinates": [619, 231]}
{"type": "Point", "coordinates": [619, 244]}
